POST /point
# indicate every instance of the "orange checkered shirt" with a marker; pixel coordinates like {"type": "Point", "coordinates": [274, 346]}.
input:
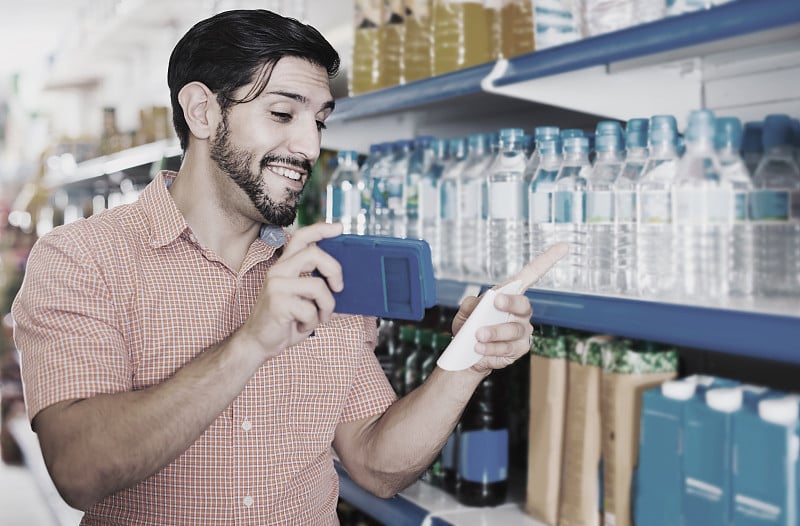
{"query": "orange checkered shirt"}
{"type": "Point", "coordinates": [120, 301]}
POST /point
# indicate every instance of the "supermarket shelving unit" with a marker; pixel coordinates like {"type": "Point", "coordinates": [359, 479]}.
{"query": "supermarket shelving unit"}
{"type": "Point", "coordinates": [741, 58]}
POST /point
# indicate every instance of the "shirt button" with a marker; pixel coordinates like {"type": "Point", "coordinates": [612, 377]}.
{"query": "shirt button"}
{"type": "Point", "coordinates": [247, 425]}
{"type": "Point", "coordinates": [248, 501]}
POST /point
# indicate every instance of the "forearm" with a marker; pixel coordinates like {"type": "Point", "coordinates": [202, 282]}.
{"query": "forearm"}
{"type": "Point", "coordinates": [406, 439]}
{"type": "Point", "coordinates": [102, 444]}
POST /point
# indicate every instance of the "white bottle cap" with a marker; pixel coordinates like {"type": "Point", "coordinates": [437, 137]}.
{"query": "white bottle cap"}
{"type": "Point", "coordinates": [678, 389]}
{"type": "Point", "coordinates": [781, 411]}
{"type": "Point", "coordinates": [700, 379]}
{"type": "Point", "coordinates": [725, 400]}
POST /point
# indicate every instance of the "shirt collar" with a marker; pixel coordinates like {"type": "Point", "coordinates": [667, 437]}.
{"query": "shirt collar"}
{"type": "Point", "coordinates": [167, 223]}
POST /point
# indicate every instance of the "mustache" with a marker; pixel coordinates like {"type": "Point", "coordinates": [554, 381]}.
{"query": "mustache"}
{"type": "Point", "coordinates": [302, 164]}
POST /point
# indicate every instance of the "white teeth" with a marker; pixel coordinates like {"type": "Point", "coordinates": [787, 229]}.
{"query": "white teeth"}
{"type": "Point", "coordinates": [287, 172]}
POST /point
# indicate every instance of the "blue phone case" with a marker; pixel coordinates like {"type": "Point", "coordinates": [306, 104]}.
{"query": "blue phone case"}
{"type": "Point", "coordinates": [383, 276]}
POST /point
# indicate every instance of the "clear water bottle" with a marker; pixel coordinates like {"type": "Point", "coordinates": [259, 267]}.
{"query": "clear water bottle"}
{"type": "Point", "coordinates": [506, 207]}
{"type": "Point", "coordinates": [599, 263]}
{"type": "Point", "coordinates": [421, 158]}
{"type": "Point", "coordinates": [605, 16]}
{"type": "Point", "coordinates": [702, 211]}
{"type": "Point", "coordinates": [380, 214]}
{"type": "Point", "coordinates": [376, 151]}
{"type": "Point", "coordinates": [429, 198]}
{"type": "Point", "coordinates": [625, 205]}
{"type": "Point", "coordinates": [540, 200]}
{"type": "Point", "coordinates": [741, 262]}
{"type": "Point", "coordinates": [395, 187]}
{"type": "Point", "coordinates": [655, 251]}
{"type": "Point", "coordinates": [569, 211]}
{"type": "Point", "coordinates": [540, 134]}
{"type": "Point", "coordinates": [343, 196]}
{"type": "Point", "coordinates": [645, 11]}
{"type": "Point", "coordinates": [752, 145]}
{"type": "Point", "coordinates": [469, 236]}
{"type": "Point", "coordinates": [446, 226]}
{"type": "Point", "coordinates": [775, 212]}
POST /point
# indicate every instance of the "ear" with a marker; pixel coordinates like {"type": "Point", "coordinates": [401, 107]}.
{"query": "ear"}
{"type": "Point", "coordinates": [200, 109]}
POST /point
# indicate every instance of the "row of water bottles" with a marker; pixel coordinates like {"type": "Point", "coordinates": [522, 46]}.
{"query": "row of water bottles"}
{"type": "Point", "coordinates": [645, 210]}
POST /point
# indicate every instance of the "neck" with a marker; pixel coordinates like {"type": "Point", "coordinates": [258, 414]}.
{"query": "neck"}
{"type": "Point", "coordinates": [216, 223]}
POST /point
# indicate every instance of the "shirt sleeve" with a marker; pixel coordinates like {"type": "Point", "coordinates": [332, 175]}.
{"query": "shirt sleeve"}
{"type": "Point", "coordinates": [66, 326]}
{"type": "Point", "coordinates": [371, 392]}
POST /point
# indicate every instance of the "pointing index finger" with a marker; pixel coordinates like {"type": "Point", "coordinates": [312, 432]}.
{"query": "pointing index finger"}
{"type": "Point", "coordinates": [538, 267]}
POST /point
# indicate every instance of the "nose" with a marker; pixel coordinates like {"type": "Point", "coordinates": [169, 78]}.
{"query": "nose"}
{"type": "Point", "coordinates": [305, 139]}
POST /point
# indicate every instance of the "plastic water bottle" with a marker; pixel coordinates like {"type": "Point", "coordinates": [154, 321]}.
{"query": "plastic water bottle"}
{"type": "Point", "coordinates": [569, 211]}
{"type": "Point", "coordinates": [429, 198]}
{"type": "Point", "coordinates": [379, 212]}
{"type": "Point", "coordinates": [395, 187]}
{"type": "Point", "coordinates": [655, 253]}
{"type": "Point", "coordinates": [376, 151]}
{"type": "Point", "coordinates": [775, 212]}
{"type": "Point", "coordinates": [506, 207]}
{"type": "Point", "coordinates": [421, 158]}
{"type": "Point", "coordinates": [470, 234]}
{"type": "Point", "coordinates": [540, 134]}
{"type": "Point", "coordinates": [599, 264]}
{"type": "Point", "coordinates": [344, 193]}
{"type": "Point", "coordinates": [703, 211]}
{"type": "Point", "coordinates": [445, 228]}
{"type": "Point", "coordinates": [645, 11]}
{"type": "Point", "coordinates": [604, 16]}
{"type": "Point", "coordinates": [734, 171]}
{"type": "Point", "coordinates": [625, 205]}
{"type": "Point", "coordinates": [540, 200]}
{"type": "Point", "coordinates": [752, 145]}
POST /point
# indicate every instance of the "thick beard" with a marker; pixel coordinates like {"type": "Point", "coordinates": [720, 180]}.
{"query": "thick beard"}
{"type": "Point", "coordinates": [236, 164]}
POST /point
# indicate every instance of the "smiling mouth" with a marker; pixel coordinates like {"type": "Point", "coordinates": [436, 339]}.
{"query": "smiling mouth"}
{"type": "Point", "coordinates": [289, 173]}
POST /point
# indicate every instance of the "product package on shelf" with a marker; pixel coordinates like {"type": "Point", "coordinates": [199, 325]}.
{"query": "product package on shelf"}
{"type": "Point", "coordinates": [628, 371]}
{"type": "Point", "coordinates": [418, 43]}
{"type": "Point", "coordinates": [516, 27]}
{"type": "Point", "coordinates": [580, 483]}
{"type": "Point", "coordinates": [548, 396]}
{"type": "Point", "coordinates": [392, 35]}
{"type": "Point", "coordinates": [365, 70]}
{"type": "Point", "coordinates": [556, 22]}
{"type": "Point", "coordinates": [461, 35]}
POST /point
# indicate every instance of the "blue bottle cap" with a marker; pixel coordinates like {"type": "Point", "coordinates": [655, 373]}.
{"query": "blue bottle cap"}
{"type": "Point", "coordinates": [777, 131]}
{"type": "Point", "coordinates": [701, 126]}
{"type": "Point", "coordinates": [752, 140]}
{"type": "Point", "coordinates": [663, 129]}
{"type": "Point", "coordinates": [729, 133]}
{"type": "Point", "coordinates": [570, 133]}
{"type": "Point", "coordinates": [549, 146]}
{"type": "Point", "coordinates": [478, 140]}
{"type": "Point", "coordinates": [576, 145]}
{"type": "Point", "coordinates": [545, 132]}
{"type": "Point", "coordinates": [608, 128]}
{"type": "Point", "coordinates": [423, 141]}
{"type": "Point", "coordinates": [607, 143]}
{"type": "Point", "coordinates": [636, 133]}
{"type": "Point", "coordinates": [374, 148]}
{"type": "Point", "coordinates": [347, 156]}
{"type": "Point", "coordinates": [457, 146]}
{"type": "Point", "coordinates": [439, 147]}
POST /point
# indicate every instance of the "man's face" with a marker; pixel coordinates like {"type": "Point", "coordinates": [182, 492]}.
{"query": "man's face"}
{"type": "Point", "coordinates": [268, 146]}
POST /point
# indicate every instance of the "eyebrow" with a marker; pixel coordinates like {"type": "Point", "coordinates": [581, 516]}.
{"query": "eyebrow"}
{"type": "Point", "coordinates": [302, 99]}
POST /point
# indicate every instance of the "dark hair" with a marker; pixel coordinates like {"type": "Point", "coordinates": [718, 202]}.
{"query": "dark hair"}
{"type": "Point", "coordinates": [233, 48]}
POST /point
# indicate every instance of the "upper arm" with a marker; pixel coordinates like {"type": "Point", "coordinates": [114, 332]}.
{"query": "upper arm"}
{"type": "Point", "coordinates": [66, 327]}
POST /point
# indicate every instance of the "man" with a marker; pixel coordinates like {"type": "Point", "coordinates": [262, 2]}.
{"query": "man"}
{"type": "Point", "coordinates": [182, 365]}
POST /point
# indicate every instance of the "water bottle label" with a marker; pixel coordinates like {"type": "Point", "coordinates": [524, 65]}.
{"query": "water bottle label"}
{"type": "Point", "coordinates": [539, 207]}
{"type": "Point", "coordinates": [412, 196]}
{"type": "Point", "coordinates": [599, 207]}
{"type": "Point", "coordinates": [336, 203]}
{"type": "Point", "coordinates": [447, 201]}
{"type": "Point", "coordinates": [626, 206]}
{"type": "Point", "coordinates": [740, 206]}
{"type": "Point", "coordinates": [654, 207]}
{"type": "Point", "coordinates": [470, 200]}
{"type": "Point", "coordinates": [505, 200]}
{"type": "Point", "coordinates": [483, 455]}
{"type": "Point", "coordinates": [568, 207]}
{"type": "Point", "coordinates": [427, 199]}
{"type": "Point", "coordinates": [720, 206]}
{"type": "Point", "coordinates": [380, 196]}
{"type": "Point", "coordinates": [366, 198]}
{"type": "Point", "coordinates": [774, 205]}
{"type": "Point", "coordinates": [394, 194]}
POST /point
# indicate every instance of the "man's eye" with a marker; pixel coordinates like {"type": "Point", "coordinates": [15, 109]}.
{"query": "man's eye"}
{"type": "Point", "coordinates": [321, 126]}
{"type": "Point", "coordinates": [283, 117]}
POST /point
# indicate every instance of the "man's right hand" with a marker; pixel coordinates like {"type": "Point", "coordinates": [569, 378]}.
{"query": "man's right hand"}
{"type": "Point", "coordinates": [293, 302]}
